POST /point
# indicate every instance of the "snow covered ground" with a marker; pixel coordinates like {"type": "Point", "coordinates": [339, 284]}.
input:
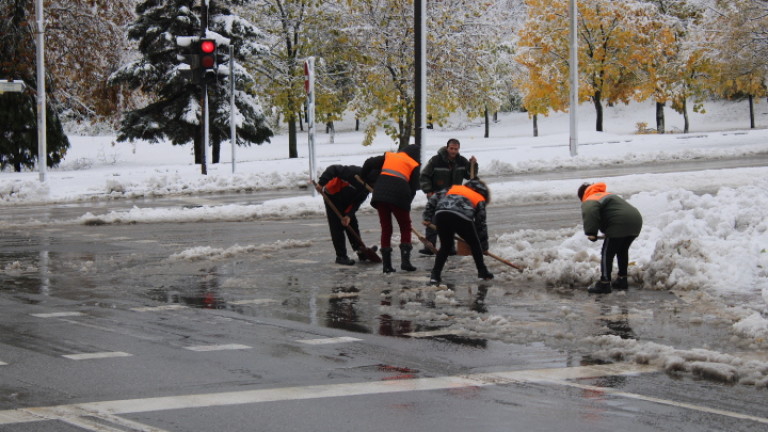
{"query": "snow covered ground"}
{"type": "Point", "coordinates": [712, 246]}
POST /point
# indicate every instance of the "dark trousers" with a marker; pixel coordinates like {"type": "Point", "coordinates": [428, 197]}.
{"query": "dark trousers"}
{"type": "Point", "coordinates": [615, 247]}
{"type": "Point", "coordinates": [448, 226]}
{"type": "Point", "coordinates": [339, 234]}
{"type": "Point", "coordinates": [403, 217]}
{"type": "Point", "coordinates": [431, 236]}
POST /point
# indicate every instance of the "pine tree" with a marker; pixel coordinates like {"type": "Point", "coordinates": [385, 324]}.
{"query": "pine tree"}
{"type": "Point", "coordinates": [175, 111]}
{"type": "Point", "coordinates": [18, 113]}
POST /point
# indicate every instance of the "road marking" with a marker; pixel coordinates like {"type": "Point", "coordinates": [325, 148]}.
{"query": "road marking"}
{"type": "Point", "coordinates": [613, 392]}
{"type": "Point", "coordinates": [253, 302]}
{"type": "Point", "coordinates": [302, 261]}
{"type": "Point", "coordinates": [432, 333]}
{"type": "Point", "coordinates": [134, 406]}
{"type": "Point", "coordinates": [551, 376]}
{"type": "Point", "coordinates": [158, 308]}
{"type": "Point", "coordinates": [104, 422]}
{"type": "Point", "coordinates": [3, 364]}
{"type": "Point", "coordinates": [326, 341]}
{"type": "Point", "coordinates": [57, 314]}
{"type": "Point", "coordinates": [222, 347]}
{"type": "Point", "coordinates": [97, 355]}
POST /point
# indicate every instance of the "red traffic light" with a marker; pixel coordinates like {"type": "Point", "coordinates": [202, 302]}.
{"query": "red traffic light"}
{"type": "Point", "coordinates": [207, 54]}
{"type": "Point", "coordinates": [208, 46]}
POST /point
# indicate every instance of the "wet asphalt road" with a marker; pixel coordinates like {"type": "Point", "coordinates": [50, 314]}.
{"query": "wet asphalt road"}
{"type": "Point", "coordinates": [106, 328]}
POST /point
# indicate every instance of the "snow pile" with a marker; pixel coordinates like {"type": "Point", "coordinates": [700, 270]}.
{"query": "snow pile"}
{"type": "Point", "coordinates": [703, 363]}
{"type": "Point", "coordinates": [213, 254]}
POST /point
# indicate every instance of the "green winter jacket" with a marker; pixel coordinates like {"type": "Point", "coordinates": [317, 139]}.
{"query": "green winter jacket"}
{"type": "Point", "coordinates": [609, 213]}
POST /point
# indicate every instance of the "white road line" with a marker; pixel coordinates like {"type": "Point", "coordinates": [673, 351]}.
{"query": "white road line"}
{"type": "Point", "coordinates": [326, 341]}
{"type": "Point", "coordinates": [97, 355]}
{"type": "Point", "coordinates": [105, 422]}
{"type": "Point", "coordinates": [223, 347]}
{"type": "Point", "coordinates": [253, 302]}
{"type": "Point", "coordinates": [56, 314]}
{"type": "Point", "coordinates": [3, 364]}
{"type": "Point", "coordinates": [553, 376]}
{"type": "Point", "coordinates": [685, 405]}
{"type": "Point", "coordinates": [432, 333]}
{"type": "Point", "coordinates": [158, 308]}
{"type": "Point", "coordinates": [134, 406]}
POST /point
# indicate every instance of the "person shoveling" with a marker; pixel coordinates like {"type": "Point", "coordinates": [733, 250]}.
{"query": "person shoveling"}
{"type": "Point", "coordinates": [342, 199]}
{"type": "Point", "coordinates": [460, 211]}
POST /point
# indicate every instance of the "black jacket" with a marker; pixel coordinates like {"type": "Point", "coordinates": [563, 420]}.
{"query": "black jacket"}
{"type": "Point", "coordinates": [441, 173]}
{"type": "Point", "coordinates": [390, 189]}
{"type": "Point", "coordinates": [351, 196]}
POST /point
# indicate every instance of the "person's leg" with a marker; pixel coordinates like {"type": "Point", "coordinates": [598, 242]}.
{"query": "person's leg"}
{"type": "Point", "coordinates": [337, 234]}
{"type": "Point", "coordinates": [622, 260]}
{"type": "Point", "coordinates": [431, 236]}
{"type": "Point", "coordinates": [403, 218]}
{"type": "Point", "coordinates": [385, 220]}
{"type": "Point", "coordinates": [446, 232]}
{"type": "Point", "coordinates": [608, 254]}
{"type": "Point", "coordinates": [467, 231]}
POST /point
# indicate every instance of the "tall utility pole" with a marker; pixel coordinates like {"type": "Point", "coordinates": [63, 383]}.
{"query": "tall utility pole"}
{"type": "Point", "coordinates": [420, 80]}
{"type": "Point", "coordinates": [573, 142]}
{"type": "Point", "coordinates": [42, 151]}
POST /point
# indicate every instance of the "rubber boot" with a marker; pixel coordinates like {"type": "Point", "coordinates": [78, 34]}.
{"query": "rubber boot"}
{"type": "Point", "coordinates": [405, 257]}
{"type": "Point", "coordinates": [386, 258]}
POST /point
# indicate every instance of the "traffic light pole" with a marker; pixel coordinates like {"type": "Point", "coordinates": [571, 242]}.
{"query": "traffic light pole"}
{"type": "Point", "coordinates": [204, 96]}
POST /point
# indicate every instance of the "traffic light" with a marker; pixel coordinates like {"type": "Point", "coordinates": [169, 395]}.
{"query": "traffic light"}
{"type": "Point", "coordinates": [189, 57]}
{"type": "Point", "coordinates": [207, 52]}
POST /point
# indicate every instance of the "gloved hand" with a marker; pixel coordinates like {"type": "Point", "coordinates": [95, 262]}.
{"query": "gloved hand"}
{"type": "Point", "coordinates": [592, 238]}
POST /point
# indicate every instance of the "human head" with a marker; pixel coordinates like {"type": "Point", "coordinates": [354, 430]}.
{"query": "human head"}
{"type": "Point", "coordinates": [453, 146]}
{"type": "Point", "coordinates": [582, 189]}
{"type": "Point", "coordinates": [480, 187]}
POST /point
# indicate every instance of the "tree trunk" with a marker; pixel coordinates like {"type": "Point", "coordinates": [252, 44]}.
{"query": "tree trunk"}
{"type": "Point", "coordinates": [215, 152]}
{"type": "Point", "coordinates": [660, 117]}
{"type": "Point", "coordinates": [495, 116]}
{"type": "Point", "coordinates": [292, 146]}
{"type": "Point", "coordinates": [357, 124]}
{"type": "Point", "coordinates": [751, 112]}
{"type": "Point", "coordinates": [535, 125]}
{"type": "Point", "coordinates": [686, 124]}
{"type": "Point", "coordinates": [598, 111]}
{"type": "Point", "coordinates": [198, 146]}
{"type": "Point", "coordinates": [301, 121]}
{"type": "Point", "coordinates": [487, 124]}
{"type": "Point", "coordinates": [330, 128]}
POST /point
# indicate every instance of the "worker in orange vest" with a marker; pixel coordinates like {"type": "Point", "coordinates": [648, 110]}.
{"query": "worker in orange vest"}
{"type": "Point", "coordinates": [619, 221]}
{"type": "Point", "coordinates": [393, 193]}
{"type": "Point", "coordinates": [460, 210]}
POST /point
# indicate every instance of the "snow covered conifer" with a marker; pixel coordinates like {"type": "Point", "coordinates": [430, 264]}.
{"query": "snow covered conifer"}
{"type": "Point", "coordinates": [174, 112]}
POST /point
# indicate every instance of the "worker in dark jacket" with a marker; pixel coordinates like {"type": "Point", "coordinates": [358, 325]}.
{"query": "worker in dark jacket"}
{"type": "Point", "coordinates": [460, 210]}
{"type": "Point", "coordinates": [347, 194]}
{"type": "Point", "coordinates": [445, 169]}
{"type": "Point", "coordinates": [393, 192]}
{"type": "Point", "coordinates": [621, 223]}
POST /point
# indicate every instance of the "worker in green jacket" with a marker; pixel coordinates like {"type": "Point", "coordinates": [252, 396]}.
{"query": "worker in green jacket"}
{"type": "Point", "coordinates": [621, 223]}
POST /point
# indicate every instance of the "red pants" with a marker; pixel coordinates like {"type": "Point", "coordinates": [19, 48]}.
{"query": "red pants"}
{"type": "Point", "coordinates": [403, 217]}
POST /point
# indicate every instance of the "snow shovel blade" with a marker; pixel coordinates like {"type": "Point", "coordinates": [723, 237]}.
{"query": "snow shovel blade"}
{"type": "Point", "coordinates": [370, 254]}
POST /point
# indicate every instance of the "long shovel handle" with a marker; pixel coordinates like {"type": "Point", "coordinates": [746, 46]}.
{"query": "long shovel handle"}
{"type": "Point", "coordinates": [367, 186]}
{"type": "Point", "coordinates": [494, 256]}
{"type": "Point", "coordinates": [424, 241]}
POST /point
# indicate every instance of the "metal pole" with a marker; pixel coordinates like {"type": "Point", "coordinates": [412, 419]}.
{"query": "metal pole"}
{"type": "Point", "coordinates": [232, 126]}
{"type": "Point", "coordinates": [42, 151]}
{"type": "Point", "coordinates": [310, 72]}
{"type": "Point", "coordinates": [420, 80]}
{"type": "Point", "coordinates": [574, 69]}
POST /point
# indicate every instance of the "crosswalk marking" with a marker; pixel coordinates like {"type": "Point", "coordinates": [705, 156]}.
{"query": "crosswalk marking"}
{"type": "Point", "coordinates": [326, 341]}
{"type": "Point", "coordinates": [56, 314]}
{"type": "Point", "coordinates": [222, 347]}
{"type": "Point", "coordinates": [97, 355]}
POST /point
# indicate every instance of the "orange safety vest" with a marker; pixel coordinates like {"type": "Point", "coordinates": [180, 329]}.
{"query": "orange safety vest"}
{"type": "Point", "coordinates": [595, 192]}
{"type": "Point", "coordinates": [473, 196]}
{"type": "Point", "coordinates": [398, 165]}
{"type": "Point", "coordinates": [335, 186]}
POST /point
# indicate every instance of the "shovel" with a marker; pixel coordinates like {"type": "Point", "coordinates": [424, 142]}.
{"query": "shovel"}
{"type": "Point", "coordinates": [464, 245]}
{"type": "Point", "coordinates": [368, 252]}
